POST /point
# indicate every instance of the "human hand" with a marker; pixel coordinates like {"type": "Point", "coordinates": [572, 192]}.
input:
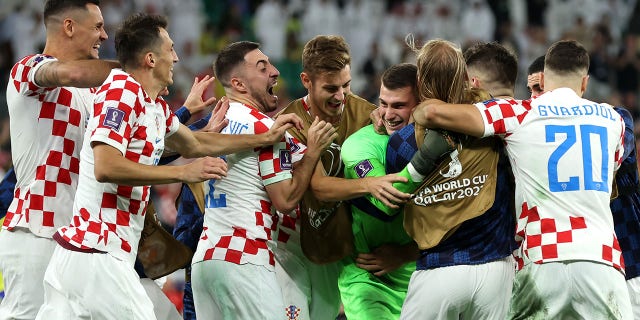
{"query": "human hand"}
{"type": "Point", "coordinates": [320, 135]}
{"type": "Point", "coordinates": [283, 123]}
{"type": "Point", "coordinates": [376, 119]}
{"type": "Point", "coordinates": [203, 169]}
{"type": "Point", "coordinates": [386, 258]}
{"type": "Point", "coordinates": [164, 92]}
{"type": "Point", "coordinates": [194, 101]}
{"type": "Point", "coordinates": [382, 189]}
{"type": "Point", "coordinates": [217, 122]}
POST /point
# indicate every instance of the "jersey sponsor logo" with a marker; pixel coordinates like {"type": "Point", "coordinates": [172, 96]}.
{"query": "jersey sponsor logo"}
{"type": "Point", "coordinates": [285, 159]}
{"type": "Point", "coordinates": [113, 118]}
{"type": "Point", "coordinates": [363, 168]}
{"type": "Point", "coordinates": [455, 167]}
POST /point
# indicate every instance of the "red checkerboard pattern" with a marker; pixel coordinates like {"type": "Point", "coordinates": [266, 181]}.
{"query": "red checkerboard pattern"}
{"type": "Point", "coordinates": [126, 119]}
{"type": "Point", "coordinates": [50, 124]}
{"type": "Point", "coordinates": [505, 114]}
{"type": "Point", "coordinates": [548, 239]}
{"type": "Point", "coordinates": [241, 231]}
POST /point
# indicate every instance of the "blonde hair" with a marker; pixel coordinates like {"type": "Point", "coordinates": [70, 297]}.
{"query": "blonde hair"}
{"type": "Point", "coordinates": [442, 71]}
{"type": "Point", "coordinates": [475, 95]}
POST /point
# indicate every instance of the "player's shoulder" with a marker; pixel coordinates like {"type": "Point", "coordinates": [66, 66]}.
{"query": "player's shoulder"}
{"type": "Point", "coordinates": [357, 111]}
{"type": "Point", "coordinates": [357, 103]}
{"type": "Point", "coordinates": [296, 106]}
{"type": "Point", "coordinates": [34, 60]}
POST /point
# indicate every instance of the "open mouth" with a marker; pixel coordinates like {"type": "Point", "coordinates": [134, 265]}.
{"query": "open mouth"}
{"type": "Point", "coordinates": [392, 124]}
{"type": "Point", "coordinates": [270, 91]}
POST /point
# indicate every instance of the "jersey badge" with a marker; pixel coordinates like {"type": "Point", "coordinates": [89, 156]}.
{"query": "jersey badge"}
{"type": "Point", "coordinates": [293, 312]}
{"type": "Point", "coordinates": [363, 168]}
{"type": "Point", "coordinates": [113, 118]}
{"type": "Point", "coordinates": [285, 159]}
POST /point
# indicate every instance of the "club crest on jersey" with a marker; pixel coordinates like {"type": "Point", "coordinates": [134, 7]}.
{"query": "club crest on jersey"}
{"type": "Point", "coordinates": [113, 118]}
{"type": "Point", "coordinates": [363, 168]}
{"type": "Point", "coordinates": [285, 159]}
{"type": "Point", "coordinates": [293, 312]}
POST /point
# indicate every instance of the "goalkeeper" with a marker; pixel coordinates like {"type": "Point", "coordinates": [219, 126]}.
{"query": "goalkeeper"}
{"type": "Point", "coordinates": [373, 284]}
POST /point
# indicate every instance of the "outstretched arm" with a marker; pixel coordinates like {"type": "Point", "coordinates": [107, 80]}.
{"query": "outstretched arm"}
{"type": "Point", "coordinates": [463, 118]}
{"type": "Point", "coordinates": [82, 73]}
{"type": "Point", "coordinates": [111, 166]}
{"type": "Point", "coordinates": [197, 144]}
{"type": "Point", "coordinates": [326, 188]}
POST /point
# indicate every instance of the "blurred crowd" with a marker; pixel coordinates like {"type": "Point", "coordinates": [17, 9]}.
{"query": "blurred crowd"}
{"type": "Point", "coordinates": [377, 30]}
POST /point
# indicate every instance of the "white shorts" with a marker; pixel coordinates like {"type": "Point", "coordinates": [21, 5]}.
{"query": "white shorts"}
{"type": "Point", "coordinates": [163, 308]}
{"type": "Point", "coordinates": [225, 290]}
{"type": "Point", "coordinates": [307, 288]}
{"type": "Point", "coordinates": [570, 290]}
{"type": "Point", "coordinates": [23, 260]}
{"type": "Point", "coordinates": [634, 294]}
{"type": "Point", "coordinates": [460, 292]}
{"type": "Point", "coordinates": [81, 285]}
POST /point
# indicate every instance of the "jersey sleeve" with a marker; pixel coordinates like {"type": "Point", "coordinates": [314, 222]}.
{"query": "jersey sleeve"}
{"type": "Point", "coordinates": [620, 148]}
{"type": "Point", "coordinates": [629, 138]}
{"type": "Point", "coordinates": [23, 74]}
{"type": "Point", "coordinates": [117, 115]}
{"type": "Point", "coordinates": [502, 116]}
{"type": "Point", "coordinates": [274, 162]}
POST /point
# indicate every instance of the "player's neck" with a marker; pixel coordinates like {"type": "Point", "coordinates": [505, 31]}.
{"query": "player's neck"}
{"type": "Point", "coordinates": [246, 100]}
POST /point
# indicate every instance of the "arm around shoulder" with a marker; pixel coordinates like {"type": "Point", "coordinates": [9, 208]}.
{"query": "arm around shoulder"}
{"type": "Point", "coordinates": [463, 118]}
{"type": "Point", "coordinates": [81, 73]}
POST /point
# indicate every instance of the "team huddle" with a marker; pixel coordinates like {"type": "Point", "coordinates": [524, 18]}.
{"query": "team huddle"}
{"type": "Point", "coordinates": [451, 199]}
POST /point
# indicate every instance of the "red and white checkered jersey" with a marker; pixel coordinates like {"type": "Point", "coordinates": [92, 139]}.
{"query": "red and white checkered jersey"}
{"type": "Point", "coordinates": [239, 220]}
{"type": "Point", "coordinates": [47, 128]}
{"type": "Point", "coordinates": [106, 216]}
{"type": "Point", "coordinates": [563, 150]}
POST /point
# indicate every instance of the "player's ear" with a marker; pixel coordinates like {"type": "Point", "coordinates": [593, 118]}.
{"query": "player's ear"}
{"type": "Point", "coordinates": [585, 82]}
{"type": "Point", "coordinates": [306, 80]}
{"type": "Point", "coordinates": [238, 85]}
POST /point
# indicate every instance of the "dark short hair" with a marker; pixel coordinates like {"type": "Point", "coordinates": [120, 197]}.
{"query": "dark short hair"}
{"type": "Point", "coordinates": [325, 53]}
{"type": "Point", "coordinates": [53, 7]}
{"type": "Point", "coordinates": [567, 56]}
{"type": "Point", "coordinates": [138, 34]}
{"type": "Point", "coordinates": [536, 66]}
{"type": "Point", "coordinates": [230, 57]}
{"type": "Point", "coordinates": [495, 61]}
{"type": "Point", "coordinates": [400, 76]}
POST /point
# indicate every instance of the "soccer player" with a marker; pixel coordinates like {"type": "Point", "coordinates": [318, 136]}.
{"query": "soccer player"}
{"type": "Point", "coordinates": [310, 289]}
{"type": "Point", "coordinates": [564, 151]}
{"type": "Point", "coordinates": [235, 253]}
{"type": "Point", "coordinates": [459, 218]}
{"type": "Point", "coordinates": [373, 283]}
{"type": "Point", "coordinates": [49, 96]}
{"type": "Point", "coordinates": [533, 77]}
{"type": "Point", "coordinates": [626, 206]}
{"type": "Point", "coordinates": [128, 127]}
